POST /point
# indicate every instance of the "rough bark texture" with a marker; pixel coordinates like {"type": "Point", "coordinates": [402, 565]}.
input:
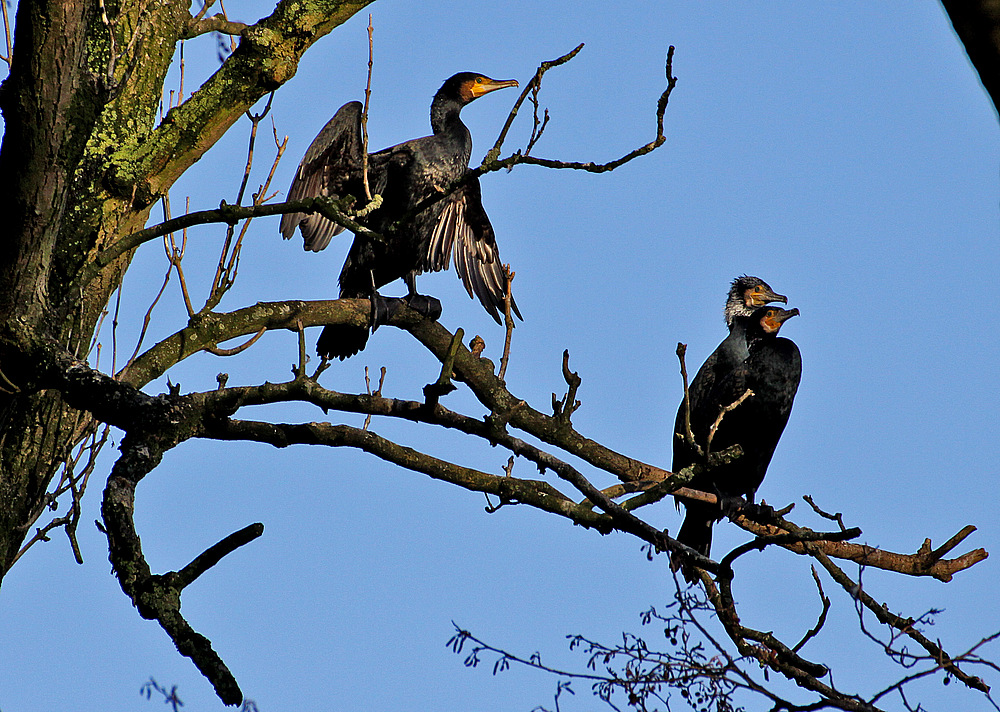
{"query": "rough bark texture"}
{"type": "Point", "coordinates": [82, 163]}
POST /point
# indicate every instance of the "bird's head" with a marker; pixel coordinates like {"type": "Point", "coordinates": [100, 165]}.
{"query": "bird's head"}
{"type": "Point", "coordinates": [747, 294]}
{"type": "Point", "coordinates": [771, 318]}
{"type": "Point", "coordinates": [469, 86]}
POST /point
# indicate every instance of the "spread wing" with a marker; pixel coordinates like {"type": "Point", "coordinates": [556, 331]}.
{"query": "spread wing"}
{"type": "Point", "coordinates": [332, 167]}
{"type": "Point", "coordinates": [464, 230]}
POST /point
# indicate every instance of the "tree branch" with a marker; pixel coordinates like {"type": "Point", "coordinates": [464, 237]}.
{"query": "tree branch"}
{"type": "Point", "coordinates": [921, 563]}
{"type": "Point", "coordinates": [333, 210]}
{"type": "Point", "coordinates": [266, 58]}
{"type": "Point", "coordinates": [216, 23]}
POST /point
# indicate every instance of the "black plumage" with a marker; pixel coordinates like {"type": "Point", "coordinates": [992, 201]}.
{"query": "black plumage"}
{"type": "Point", "coordinates": [405, 176]}
{"type": "Point", "coordinates": [751, 357]}
{"type": "Point", "coordinates": [746, 295]}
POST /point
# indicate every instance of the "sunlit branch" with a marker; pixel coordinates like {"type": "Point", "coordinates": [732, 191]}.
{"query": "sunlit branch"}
{"type": "Point", "coordinates": [923, 562]}
{"type": "Point", "coordinates": [531, 87]}
{"type": "Point", "coordinates": [493, 163]}
{"type": "Point", "coordinates": [905, 625]}
{"type": "Point", "coordinates": [216, 23]}
{"type": "Point", "coordinates": [535, 493]}
{"type": "Point", "coordinates": [6, 32]}
{"type": "Point", "coordinates": [364, 111]}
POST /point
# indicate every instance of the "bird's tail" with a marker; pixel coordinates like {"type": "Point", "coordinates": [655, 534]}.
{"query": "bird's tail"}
{"type": "Point", "coordinates": [695, 533]}
{"type": "Point", "coordinates": [341, 341]}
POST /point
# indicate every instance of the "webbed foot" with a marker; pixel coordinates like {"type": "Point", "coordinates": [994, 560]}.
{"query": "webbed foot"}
{"type": "Point", "coordinates": [427, 305]}
{"type": "Point", "coordinates": [731, 504]}
{"type": "Point", "coordinates": [383, 309]}
{"type": "Point", "coordinates": [760, 513]}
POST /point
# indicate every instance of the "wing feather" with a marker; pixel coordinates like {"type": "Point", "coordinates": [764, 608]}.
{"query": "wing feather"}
{"type": "Point", "coordinates": [332, 167]}
{"type": "Point", "coordinates": [464, 233]}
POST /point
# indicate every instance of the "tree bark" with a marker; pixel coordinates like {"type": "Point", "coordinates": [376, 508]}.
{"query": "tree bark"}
{"type": "Point", "coordinates": [83, 162]}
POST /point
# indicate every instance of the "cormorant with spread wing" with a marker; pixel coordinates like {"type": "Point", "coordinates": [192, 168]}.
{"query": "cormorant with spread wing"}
{"type": "Point", "coordinates": [405, 176]}
{"type": "Point", "coordinates": [754, 358]}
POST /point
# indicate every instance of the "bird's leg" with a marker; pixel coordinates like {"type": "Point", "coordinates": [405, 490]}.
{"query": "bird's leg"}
{"type": "Point", "coordinates": [731, 504]}
{"type": "Point", "coordinates": [760, 513]}
{"type": "Point", "coordinates": [381, 310]}
{"type": "Point", "coordinates": [423, 303]}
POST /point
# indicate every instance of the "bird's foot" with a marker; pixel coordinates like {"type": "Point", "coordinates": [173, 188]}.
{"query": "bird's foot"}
{"type": "Point", "coordinates": [383, 309]}
{"type": "Point", "coordinates": [427, 305]}
{"type": "Point", "coordinates": [760, 513]}
{"type": "Point", "coordinates": [731, 504]}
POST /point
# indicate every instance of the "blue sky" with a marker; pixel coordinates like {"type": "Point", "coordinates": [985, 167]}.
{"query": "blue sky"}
{"type": "Point", "coordinates": [845, 153]}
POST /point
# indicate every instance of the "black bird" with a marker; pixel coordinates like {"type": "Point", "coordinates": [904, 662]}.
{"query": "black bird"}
{"type": "Point", "coordinates": [752, 357]}
{"type": "Point", "coordinates": [404, 175]}
{"type": "Point", "coordinates": [746, 295]}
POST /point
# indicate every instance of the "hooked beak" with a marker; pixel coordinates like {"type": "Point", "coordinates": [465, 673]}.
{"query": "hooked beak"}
{"type": "Point", "coordinates": [491, 85]}
{"type": "Point", "coordinates": [766, 296]}
{"type": "Point", "coordinates": [773, 322]}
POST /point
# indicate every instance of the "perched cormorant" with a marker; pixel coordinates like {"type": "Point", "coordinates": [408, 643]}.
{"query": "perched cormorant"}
{"type": "Point", "coordinates": [404, 175]}
{"type": "Point", "coordinates": [746, 295]}
{"type": "Point", "coordinates": [752, 357]}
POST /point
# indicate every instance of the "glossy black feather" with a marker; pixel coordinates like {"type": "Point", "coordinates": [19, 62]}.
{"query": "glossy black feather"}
{"type": "Point", "coordinates": [750, 358]}
{"type": "Point", "coordinates": [746, 295]}
{"type": "Point", "coordinates": [405, 175]}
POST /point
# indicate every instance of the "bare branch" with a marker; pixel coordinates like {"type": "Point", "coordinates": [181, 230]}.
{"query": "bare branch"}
{"type": "Point", "coordinates": [531, 87]}
{"type": "Point", "coordinates": [687, 435]}
{"type": "Point", "coordinates": [216, 23]}
{"type": "Point", "coordinates": [214, 554]}
{"type": "Point", "coordinates": [536, 493]}
{"type": "Point", "coordinates": [229, 214]}
{"type": "Point", "coordinates": [508, 321]}
{"type": "Point", "coordinates": [236, 349]}
{"type": "Point", "coordinates": [564, 409]}
{"type": "Point", "coordinates": [814, 631]}
{"type": "Point", "coordinates": [493, 163]}
{"type": "Point", "coordinates": [722, 413]}
{"type": "Point", "coordinates": [6, 33]}
{"type": "Point", "coordinates": [920, 563]}
{"type": "Point", "coordinates": [364, 111]}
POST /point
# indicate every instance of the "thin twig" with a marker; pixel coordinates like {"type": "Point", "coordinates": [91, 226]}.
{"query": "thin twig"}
{"type": "Point", "coordinates": [687, 435]}
{"type": "Point", "coordinates": [376, 394]}
{"type": "Point", "coordinates": [225, 15]}
{"type": "Point", "coordinates": [508, 321]}
{"type": "Point", "coordinates": [718, 421]}
{"type": "Point", "coordinates": [443, 385]}
{"type": "Point", "coordinates": [838, 517]}
{"type": "Point", "coordinates": [147, 318]}
{"type": "Point", "coordinates": [563, 410]}
{"type": "Point", "coordinates": [236, 349]}
{"type": "Point", "coordinates": [364, 112]}
{"type": "Point", "coordinates": [822, 616]}
{"type": "Point", "coordinates": [534, 84]}
{"type": "Point", "coordinates": [6, 32]}
{"type": "Point", "coordinates": [176, 259]}
{"type": "Point", "coordinates": [228, 265]}
{"type": "Point", "coordinates": [300, 369]}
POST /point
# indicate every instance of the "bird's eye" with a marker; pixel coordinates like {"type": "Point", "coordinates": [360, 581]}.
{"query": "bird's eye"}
{"type": "Point", "coordinates": [479, 80]}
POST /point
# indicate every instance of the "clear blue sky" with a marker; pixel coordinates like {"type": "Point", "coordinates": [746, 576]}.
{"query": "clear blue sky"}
{"type": "Point", "coordinates": [846, 153]}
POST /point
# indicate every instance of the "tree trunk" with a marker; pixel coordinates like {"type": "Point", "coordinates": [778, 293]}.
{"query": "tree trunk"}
{"type": "Point", "coordinates": [82, 164]}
